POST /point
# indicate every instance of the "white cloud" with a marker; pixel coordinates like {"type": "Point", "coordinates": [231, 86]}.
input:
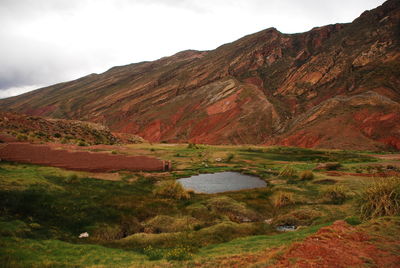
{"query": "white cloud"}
{"type": "Point", "coordinates": [14, 91]}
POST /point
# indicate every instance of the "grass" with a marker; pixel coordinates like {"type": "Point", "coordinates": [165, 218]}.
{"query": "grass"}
{"type": "Point", "coordinates": [381, 198]}
{"type": "Point", "coordinates": [44, 209]}
{"type": "Point", "coordinates": [54, 253]}
{"type": "Point", "coordinates": [257, 243]}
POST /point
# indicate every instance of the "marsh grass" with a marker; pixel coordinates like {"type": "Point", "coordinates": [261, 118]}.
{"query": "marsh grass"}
{"type": "Point", "coordinates": [306, 175]}
{"type": "Point", "coordinates": [288, 172]}
{"type": "Point", "coordinates": [283, 199]}
{"type": "Point", "coordinates": [336, 194]}
{"type": "Point", "coordinates": [381, 198]}
{"type": "Point", "coordinates": [171, 189]}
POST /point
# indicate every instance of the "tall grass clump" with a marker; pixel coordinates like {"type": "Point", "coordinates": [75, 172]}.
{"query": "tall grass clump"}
{"type": "Point", "coordinates": [282, 199]}
{"type": "Point", "coordinates": [230, 157]}
{"type": "Point", "coordinates": [336, 194]}
{"type": "Point", "coordinates": [307, 175]}
{"type": "Point", "coordinates": [288, 172]}
{"type": "Point", "coordinates": [179, 254]}
{"type": "Point", "coordinates": [381, 198]}
{"type": "Point", "coordinates": [171, 189]}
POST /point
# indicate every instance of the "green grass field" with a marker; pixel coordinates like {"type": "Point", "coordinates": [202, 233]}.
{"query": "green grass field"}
{"type": "Point", "coordinates": [45, 209]}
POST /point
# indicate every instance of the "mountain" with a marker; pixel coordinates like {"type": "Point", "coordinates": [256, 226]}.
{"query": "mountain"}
{"type": "Point", "coordinates": [336, 86]}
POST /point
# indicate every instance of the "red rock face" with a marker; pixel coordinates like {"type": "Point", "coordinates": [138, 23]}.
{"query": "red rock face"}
{"type": "Point", "coordinates": [313, 89]}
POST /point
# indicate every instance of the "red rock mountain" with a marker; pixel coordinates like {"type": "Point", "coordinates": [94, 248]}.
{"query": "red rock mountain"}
{"type": "Point", "coordinates": [336, 86]}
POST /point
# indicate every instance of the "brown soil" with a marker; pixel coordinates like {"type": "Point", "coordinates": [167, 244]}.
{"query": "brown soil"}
{"type": "Point", "coordinates": [77, 160]}
{"type": "Point", "coordinates": [340, 245]}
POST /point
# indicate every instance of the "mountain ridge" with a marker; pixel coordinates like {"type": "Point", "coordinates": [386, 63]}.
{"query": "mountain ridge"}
{"type": "Point", "coordinates": [259, 89]}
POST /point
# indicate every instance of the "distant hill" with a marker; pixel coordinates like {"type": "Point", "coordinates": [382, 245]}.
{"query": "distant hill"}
{"type": "Point", "coordinates": [336, 86]}
{"type": "Point", "coordinates": [37, 129]}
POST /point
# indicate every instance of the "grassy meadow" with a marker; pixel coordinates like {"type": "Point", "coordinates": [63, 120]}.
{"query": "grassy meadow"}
{"type": "Point", "coordinates": [144, 219]}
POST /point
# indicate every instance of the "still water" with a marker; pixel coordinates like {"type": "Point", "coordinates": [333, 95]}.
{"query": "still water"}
{"type": "Point", "coordinates": [221, 182]}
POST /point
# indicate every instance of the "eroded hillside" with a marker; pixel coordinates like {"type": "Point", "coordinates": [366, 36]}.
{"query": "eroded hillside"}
{"type": "Point", "coordinates": [335, 86]}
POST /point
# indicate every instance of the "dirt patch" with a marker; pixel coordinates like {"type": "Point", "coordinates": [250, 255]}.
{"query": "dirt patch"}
{"type": "Point", "coordinates": [340, 245]}
{"type": "Point", "coordinates": [78, 160]}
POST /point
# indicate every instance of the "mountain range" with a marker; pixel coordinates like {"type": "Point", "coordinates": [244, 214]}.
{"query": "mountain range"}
{"type": "Point", "coordinates": [336, 86]}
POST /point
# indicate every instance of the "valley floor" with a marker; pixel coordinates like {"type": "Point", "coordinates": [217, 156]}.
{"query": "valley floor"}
{"type": "Point", "coordinates": [144, 219]}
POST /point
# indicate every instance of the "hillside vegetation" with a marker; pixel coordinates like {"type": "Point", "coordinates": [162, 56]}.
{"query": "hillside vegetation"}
{"type": "Point", "coordinates": [131, 222]}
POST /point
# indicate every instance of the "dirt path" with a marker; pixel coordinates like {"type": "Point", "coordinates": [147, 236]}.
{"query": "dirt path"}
{"type": "Point", "coordinates": [78, 160]}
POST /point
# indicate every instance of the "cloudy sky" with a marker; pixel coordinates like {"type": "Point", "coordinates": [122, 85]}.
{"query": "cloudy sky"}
{"type": "Point", "coordinates": [43, 42]}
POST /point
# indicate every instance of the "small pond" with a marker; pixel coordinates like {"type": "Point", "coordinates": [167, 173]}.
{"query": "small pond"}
{"type": "Point", "coordinates": [221, 182]}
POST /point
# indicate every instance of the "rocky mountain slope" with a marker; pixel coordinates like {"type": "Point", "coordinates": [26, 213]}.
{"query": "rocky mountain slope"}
{"type": "Point", "coordinates": [336, 86]}
{"type": "Point", "coordinates": [37, 129]}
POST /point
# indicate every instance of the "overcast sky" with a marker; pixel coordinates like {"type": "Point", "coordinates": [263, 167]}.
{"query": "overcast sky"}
{"type": "Point", "coordinates": [43, 42]}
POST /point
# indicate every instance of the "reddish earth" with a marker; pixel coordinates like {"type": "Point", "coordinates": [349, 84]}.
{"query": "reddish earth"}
{"type": "Point", "coordinates": [341, 245]}
{"type": "Point", "coordinates": [337, 246]}
{"type": "Point", "coordinates": [78, 160]}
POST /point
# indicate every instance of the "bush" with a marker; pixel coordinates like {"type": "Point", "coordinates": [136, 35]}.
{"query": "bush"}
{"type": "Point", "coordinates": [381, 198]}
{"type": "Point", "coordinates": [171, 189]}
{"type": "Point", "coordinates": [57, 135]}
{"type": "Point", "coordinates": [22, 137]}
{"type": "Point", "coordinates": [329, 166]}
{"type": "Point", "coordinates": [288, 172]}
{"type": "Point", "coordinates": [353, 220]}
{"type": "Point", "coordinates": [82, 143]}
{"type": "Point", "coordinates": [234, 210]}
{"type": "Point", "coordinates": [282, 199]}
{"type": "Point", "coordinates": [230, 157]}
{"type": "Point", "coordinates": [336, 194]}
{"type": "Point", "coordinates": [153, 253]}
{"type": "Point", "coordinates": [168, 224]}
{"type": "Point", "coordinates": [307, 175]}
{"type": "Point", "coordinates": [106, 232]}
{"type": "Point", "coordinates": [302, 217]}
{"type": "Point", "coordinates": [192, 146]}
{"type": "Point", "coordinates": [72, 178]}
{"type": "Point", "coordinates": [179, 254]}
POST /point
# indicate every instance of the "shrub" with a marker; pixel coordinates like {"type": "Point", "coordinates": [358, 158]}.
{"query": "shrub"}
{"type": "Point", "coordinates": [235, 211]}
{"type": "Point", "coordinates": [171, 189]}
{"type": "Point", "coordinates": [307, 175]}
{"type": "Point", "coordinates": [333, 166]}
{"type": "Point", "coordinates": [336, 194]}
{"type": "Point", "coordinates": [153, 253]}
{"type": "Point", "coordinates": [22, 137]}
{"type": "Point", "coordinates": [282, 199]}
{"type": "Point", "coordinates": [106, 232]}
{"type": "Point", "coordinates": [130, 225]}
{"type": "Point", "coordinates": [353, 220]}
{"type": "Point", "coordinates": [192, 146]}
{"type": "Point", "coordinates": [179, 254]}
{"type": "Point", "coordinates": [381, 198]}
{"type": "Point", "coordinates": [297, 218]}
{"type": "Point", "coordinates": [168, 224]}
{"type": "Point", "coordinates": [288, 172]}
{"type": "Point", "coordinates": [72, 178]}
{"type": "Point", "coordinates": [57, 135]}
{"type": "Point", "coordinates": [230, 157]}
{"type": "Point", "coordinates": [82, 143]}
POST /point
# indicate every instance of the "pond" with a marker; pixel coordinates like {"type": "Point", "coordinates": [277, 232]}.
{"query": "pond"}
{"type": "Point", "coordinates": [221, 182]}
